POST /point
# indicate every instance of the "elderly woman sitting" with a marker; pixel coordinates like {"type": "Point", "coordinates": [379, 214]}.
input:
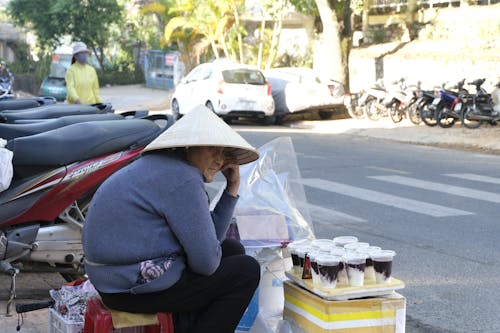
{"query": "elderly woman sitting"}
{"type": "Point", "coordinates": [152, 245]}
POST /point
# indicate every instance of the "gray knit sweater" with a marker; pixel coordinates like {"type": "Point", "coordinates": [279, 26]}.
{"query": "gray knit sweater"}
{"type": "Point", "coordinates": [148, 221]}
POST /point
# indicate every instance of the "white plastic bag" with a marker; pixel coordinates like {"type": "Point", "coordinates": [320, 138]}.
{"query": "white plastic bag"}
{"type": "Point", "coordinates": [271, 186]}
{"type": "Point", "coordinates": [6, 168]}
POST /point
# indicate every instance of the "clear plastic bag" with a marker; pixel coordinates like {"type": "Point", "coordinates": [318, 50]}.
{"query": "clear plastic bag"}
{"type": "Point", "coordinates": [271, 186]}
{"type": "Point", "coordinates": [71, 301]}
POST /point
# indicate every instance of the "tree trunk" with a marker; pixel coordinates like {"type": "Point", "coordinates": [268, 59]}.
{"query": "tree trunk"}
{"type": "Point", "coordinates": [366, 10]}
{"type": "Point", "coordinates": [411, 17]}
{"type": "Point", "coordinates": [276, 36]}
{"type": "Point", "coordinates": [100, 57]}
{"type": "Point", "coordinates": [346, 42]}
{"type": "Point", "coordinates": [261, 39]}
{"type": "Point", "coordinates": [214, 48]}
{"type": "Point", "coordinates": [240, 40]}
{"type": "Point", "coordinates": [224, 46]}
{"type": "Point", "coordinates": [328, 53]}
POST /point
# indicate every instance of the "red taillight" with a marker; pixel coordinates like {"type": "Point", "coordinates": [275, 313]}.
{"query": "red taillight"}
{"type": "Point", "coordinates": [269, 88]}
{"type": "Point", "coordinates": [219, 87]}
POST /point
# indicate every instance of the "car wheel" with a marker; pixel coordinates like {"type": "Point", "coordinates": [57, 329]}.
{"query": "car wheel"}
{"type": "Point", "coordinates": [278, 120]}
{"type": "Point", "coordinates": [176, 110]}
{"type": "Point", "coordinates": [268, 120]}
{"type": "Point", "coordinates": [324, 115]}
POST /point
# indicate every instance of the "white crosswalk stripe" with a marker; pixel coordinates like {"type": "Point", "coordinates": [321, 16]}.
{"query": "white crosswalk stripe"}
{"type": "Point", "coordinates": [319, 214]}
{"type": "Point", "coordinates": [477, 178]}
{"type": "Point", "coordinates": [441, 187]}
{"type": "Point", "coordinates": [384, 199]}
{"type": "Point", "coordinates": [327, 216]}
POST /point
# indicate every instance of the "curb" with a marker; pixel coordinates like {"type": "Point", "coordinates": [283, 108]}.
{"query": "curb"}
{"type": "Point", "coordinates": [485, 139]}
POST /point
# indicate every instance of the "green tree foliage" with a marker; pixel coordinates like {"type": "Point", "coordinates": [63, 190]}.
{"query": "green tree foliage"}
{"type": "Point", "coordinates": [87, 20]}
{"type": "Point", "coordinates": [201, 27]}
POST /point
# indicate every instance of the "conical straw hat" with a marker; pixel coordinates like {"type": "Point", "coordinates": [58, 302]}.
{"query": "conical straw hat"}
{"type": "Point", "coordinates": [201, 127]}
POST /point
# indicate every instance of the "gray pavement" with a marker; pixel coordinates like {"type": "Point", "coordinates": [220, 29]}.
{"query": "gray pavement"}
{"type": "Point", "coordinates": [485, 139]}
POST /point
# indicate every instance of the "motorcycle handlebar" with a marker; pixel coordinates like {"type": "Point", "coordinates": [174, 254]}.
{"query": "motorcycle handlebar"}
{"type": "Point", "coordinates": [21, 308]}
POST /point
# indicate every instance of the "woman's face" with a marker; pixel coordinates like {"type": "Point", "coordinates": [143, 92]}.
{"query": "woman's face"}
{"type": "Point", "coordinates": [209, 160]}
{"type": "Point", "coordinates": [81, 57]}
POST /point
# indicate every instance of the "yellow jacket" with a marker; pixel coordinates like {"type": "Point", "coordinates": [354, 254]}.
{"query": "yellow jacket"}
{"type": "Point", "coordinates": [82, 83]}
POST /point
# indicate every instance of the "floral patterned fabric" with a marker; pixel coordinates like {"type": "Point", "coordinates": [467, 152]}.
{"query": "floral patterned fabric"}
{"type": "Point", "coordinates": [152, 269]}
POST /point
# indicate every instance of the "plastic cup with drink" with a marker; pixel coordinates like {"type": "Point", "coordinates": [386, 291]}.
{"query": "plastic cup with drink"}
{"type": "Point", "coordinates": [328, 268]}
{"type": "Point", "coordinates": [355, 265]}
{"type": "Point", "coordinates": [382, 264]}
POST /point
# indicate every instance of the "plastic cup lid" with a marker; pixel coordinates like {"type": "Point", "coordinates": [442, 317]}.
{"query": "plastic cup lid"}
{"type": "Point", "coordinates": [356, 245]}
{"type": "Point", "coordinates": [314, 254]}
{"type": "Point", "coordinates": [320, 242]}
{"type": "Point", "coordinates": [337, 251]}
{"type": "Point", "coordinates": [355, 257]}
{"type": "Point", "coordinates": [369, 250]}
{"type": "Point", "coordinates": [326, 259]}
{"type": "Point", "coordinates": [343, 240]}
{"type": "Point", "coordinates": [301, 251]}
{"type": "Point", "coordinates": [383, 254]}
{"type": "Point", "coordinates": [298, 243]}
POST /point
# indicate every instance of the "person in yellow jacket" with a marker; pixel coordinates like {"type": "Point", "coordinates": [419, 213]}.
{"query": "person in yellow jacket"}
{"type": "Point", "coordinates": [81, 78]}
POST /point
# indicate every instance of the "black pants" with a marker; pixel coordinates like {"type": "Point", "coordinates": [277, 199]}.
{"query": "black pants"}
{"type": "Point", "coordinates": [218, 300]}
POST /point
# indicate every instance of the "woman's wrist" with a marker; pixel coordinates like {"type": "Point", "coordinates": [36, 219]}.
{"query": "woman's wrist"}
{"type": "Point", "coordinates": [233, 189]}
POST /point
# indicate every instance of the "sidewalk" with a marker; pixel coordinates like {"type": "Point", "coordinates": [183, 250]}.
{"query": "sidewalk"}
{"type": "Point", "coordinates": [483, 139]}
{"type": "Point", "coordinates": [136, 97]}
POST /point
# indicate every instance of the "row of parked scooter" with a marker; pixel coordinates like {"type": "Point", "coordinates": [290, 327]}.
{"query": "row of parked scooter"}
{"type": "Point", "coordinates": [59, 154]}
{"type": "Point", "coordinates": [442, 106]}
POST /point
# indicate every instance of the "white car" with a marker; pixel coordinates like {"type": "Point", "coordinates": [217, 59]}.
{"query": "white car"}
{"type": "Point", "coordinates": [299, 89]}
{"type": "Point", "coordinates": [230, 90]}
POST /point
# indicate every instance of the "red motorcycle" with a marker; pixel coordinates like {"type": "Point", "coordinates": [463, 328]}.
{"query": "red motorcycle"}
{"type": "Point", "coordinates": [55, 176]}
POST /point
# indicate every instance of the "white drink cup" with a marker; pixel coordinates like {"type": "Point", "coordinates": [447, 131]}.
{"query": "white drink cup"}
{"type": "Point", "coordinates": [314, 268]}
{"type": "Point", "coordinates": [382, 264]}
{"type": "Point", "coordinates": [328, 267]}
{"type": "Point", "coordinates": [317, 243]}
{"type": "Point", "coordinates": [369, 271]}
{"type": "Point", "coordinates": [342, 274]}
{"type": "Point", "coordinates": [341, 241]}
{"type": "Point", "coordinates": [356, 245]}
{"type": "Point", "coordinates": [292, 250]}
{"type": "Point", "coordinates": [355, 264]}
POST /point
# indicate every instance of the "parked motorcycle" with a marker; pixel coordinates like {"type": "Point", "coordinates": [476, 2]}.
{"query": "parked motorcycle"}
{"type": "Point", "coordinates": [11, 131]}
{"type": "Point", "coordinates": [374, 101]}
{"type": "Point", "coordinates": [25, 103]}
{"type": "Point", "coordinates": [402, 101]}
{"type": "Point", "coordinates": [55, 176]}
{"type": "Point", "coordinates": [52, 111]}
{"type": "Point", "coordinates": [351, 102]}
{"type": "Point", "coordinates": [449, 108]}
{"type": "Point", "coordinates": [479, 108]}
{"type": "Point", "coordinates": [6, 88]}
{"type": "Point", "coordinates": [426, 108]}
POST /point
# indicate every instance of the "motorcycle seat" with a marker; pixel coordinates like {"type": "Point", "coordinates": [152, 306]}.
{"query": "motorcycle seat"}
{"type": "Point", "coordinates": [52, 111]}
{"type": "Point", "coordinates": [78, 142]}
{"type": "Point", "coordinates": [11, 131]}
{"type": "Point", "coordinates": [25, 103]}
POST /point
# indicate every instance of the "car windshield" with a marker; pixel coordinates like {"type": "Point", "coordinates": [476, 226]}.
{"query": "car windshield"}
{"type": "Point", "coordinates": [55, 81]}
{"type": "Point", "coordinates": [244, 76]}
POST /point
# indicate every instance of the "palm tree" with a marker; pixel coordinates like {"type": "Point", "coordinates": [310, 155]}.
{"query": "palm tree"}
{"type": "Point", "coordinates": [208, 20]}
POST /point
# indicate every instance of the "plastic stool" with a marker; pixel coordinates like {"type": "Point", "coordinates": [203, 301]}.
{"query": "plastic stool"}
{"type": "Point", "coordinates": [98, 319]}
